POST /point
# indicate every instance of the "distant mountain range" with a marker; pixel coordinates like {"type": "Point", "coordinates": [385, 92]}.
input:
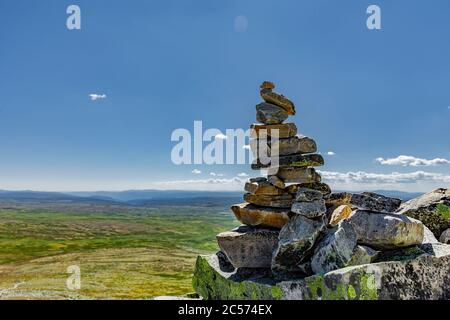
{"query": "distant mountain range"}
{"type": "Point", "coordinates": [152, 197]}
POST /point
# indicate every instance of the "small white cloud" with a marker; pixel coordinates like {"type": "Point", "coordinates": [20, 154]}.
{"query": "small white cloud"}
{"type": "Point", "coordinates": [411, 161]}
{"type": "Point", "coordinates": [240, 23]}
{"type": "Point", "coordinates": [331, 153]}
{"type": "Point", "coordinates": [246, 146]}
{"type": "Point", "coordinates": [196, 171]}
{"type": "Point", "coordinates": [221, 136]}
{"type": "Point", "coordinates": [384, 178]}
{"type": "Point", "coordinates": [242, 174]}
{"type": "Point", "coordinates": [95, 96]}
{"type": "Point", "coordinates": [216, 174]}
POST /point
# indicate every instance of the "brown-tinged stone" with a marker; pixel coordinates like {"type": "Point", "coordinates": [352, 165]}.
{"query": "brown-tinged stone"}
{"type": "Point", "coordinates": [279, 201]}
{"type": "Point", "coordinates": [319, 186]}
{"type": "Point", "coordinates": [298, 175]}
{"type": "Point", "coordinates": [338, 214]}
{"type": "Point", "coordinates": [277, 182]}
{"type": "Point", "coordinates": [267, 85]}
{"type": "Point", "coordinates": [281, 131]}
{"type": "Point", "coordinates": [279, 100]}
{"type": "Point", "coordinates": [294, 160]}
{"type": "Point", "coordinates": [283, 147]}
{"type": "Point", "coordinates": [263, 187]}
{"type": "Point", "coordinates": [261, 216]}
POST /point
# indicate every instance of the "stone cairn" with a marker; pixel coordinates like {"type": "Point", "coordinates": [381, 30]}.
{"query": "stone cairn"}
{"type": "Point", "coordinates": [293, 226]}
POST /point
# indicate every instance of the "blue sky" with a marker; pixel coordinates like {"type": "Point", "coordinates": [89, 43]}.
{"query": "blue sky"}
{"type": "Point", "coordinates": [363, 94]}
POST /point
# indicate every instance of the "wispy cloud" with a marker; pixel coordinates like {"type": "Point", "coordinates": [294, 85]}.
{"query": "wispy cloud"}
{"type": "Point", "coordinates": [411, 161]}
{"type": "Point", "coordinates": [214, 174]}
{"type": "Point", "coordinates": [221, 136]}
{"type": "Point", "coordinates": [96, 96]}
{"type": "Point", "coordinates": [384, 178]}
{"type": "Point", "coordinates": [213, 184]}
{"type": "Point", "coordinates": [242, 174]}
{"type": "Point", "coordinates": [196, 171]}
{"type": "Point", "coordinates": [331, 153]}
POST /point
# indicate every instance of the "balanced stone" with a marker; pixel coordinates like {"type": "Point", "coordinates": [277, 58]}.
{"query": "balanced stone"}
{"type": "Point", "coordinates": [319, 186]}
{"type": "Point", "coordinates": [310, 210]}
{"type": "Point", "coordinates": [298, 175]}
{"type": "Point", "coordinates": [281, 131]}
{"type": "Point", "coordinates": [308, 195]}
{"type": "Point", "coordinates": [279, 201]}
{"type": "Point", "coordinates": [277, 182]}
{"type": "Point", "coordinates": [338, 214]}
{"type": "Point", "coordinates": [296, 240]}
{"type": "Point", "coordinates": [261, 216]}
{"type": "Point", "coordinates": [257, 179]}
{"type": "Point", "coordinates": [249, 247]}
{"type": "Point", "coordinates": [263, 187]}
{"type": "Point", "coordinates": [335, 250]}
{"type": "Point", "coordinates": [375, 202]}
{"type": "Point", "coordinates": [338, 198]}
{"type": "Point", "coordinates": [293, 160]}
{"type": "Point", "coordinates": [363, 255]}
{"type": "Point", "coordinates": [283, 147]}
{"type": "Point", "coordinates": [270, 114]}
{"type": "Point", "coordinates": [386, 231]}
{"type": "Point", "coordinates": [432, 208]}
{"type": "Point", "coordinates": [279, 100]}
{"type": "Point", "coordinates": [267, 85]}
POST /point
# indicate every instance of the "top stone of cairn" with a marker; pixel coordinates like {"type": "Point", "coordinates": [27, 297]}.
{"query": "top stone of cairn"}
{"type": "Point", "coordinates": [275, 98]}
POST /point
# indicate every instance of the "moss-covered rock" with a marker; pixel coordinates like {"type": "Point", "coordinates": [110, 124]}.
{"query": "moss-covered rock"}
{"type": "Point", "coordinates": [417, 276]}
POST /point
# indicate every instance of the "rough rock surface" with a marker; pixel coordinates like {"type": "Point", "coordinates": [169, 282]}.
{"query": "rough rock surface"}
{"type": "Point", "coordinates": [432, 208]}
{"type": "Point", "coordinates": [338, 214]}
{"type": "Point", "coordinates": [277, 182]}
{"type": "Point", "coordinates": [293, 160]}
{"type": "Point", "coordinates": [445, 237]}
{"type": "Point", "coordinates": [311, 210]}
{"type": "Point", "coordinates": [306, 195]}
{"type": "Point", "coordinates": [280, 201]}
{"type": "Point", "coordinates": [386, 231]}
{"type": "Point", "coordinates": [426, 276]}
{"type": "Point", "coordinates": [319, 186]}
{"type": "Point", "coordinates": [282, 147]}
{"type": "Point", "coordinates": [298, 175]}
{"type": "Point", "coordinates": [281, 131]}
{"type": "Point", "coordinates": [363, 255]}
{"type": "Point", "coordinates": [335, 250]}
{"type": "Point", "coordinates": [264, 188]}
{"type": "Point", "coordinates": [249, 247]}
{"type": "Point", "coordinates": [375, 202]}
{"type": "Point", "coordinates": [270, 114]}
{"type": "Point", "coordinates": [428, 236]}
{"type": "Point", "coordinates": [296, 240]}
{"type": "Point", "coordinates": [279, 100]}
{"type": "Point", "coordinates": [261, 216]}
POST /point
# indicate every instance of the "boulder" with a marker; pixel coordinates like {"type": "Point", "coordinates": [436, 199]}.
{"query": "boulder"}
{"type": "Point", "coordinates": [311, 210]}
{"type": "Point", "coordinates": [280, 201]}
{"type": "Point", "coordinates": [296, 241]}
{"type": "Point", "coordinates": [338, 214]}
{"type": "Point", "coordinates": [281, 131]}
{"type": "Point", "coordinates": [336, 199]}
{"type": "Point", "coordinates": [249, 247]}
{"type": "Point", "coordinates": [264, 188]}
{"type": "Point", "coordinates": [270, 114]}
{"type": "Point", "coordinates": [319, 186]}
{"type": "Point", "coordinates": [277, 182]}
{"type": "Point", "coordinates": [335, 250]}
{"type": "Point", "coordinates": [298, 175]}
{"type": "Point", "coordinates": [445, 237]}
{"type": "Point", "coordinates": [363, 255]}
{"type": "Point", "coordinates": [375, 202]}
{"type": "Point", "coordinates": [307, 195]}
{"type": "Point", "coordinates": [279, 100]}
{"type": "Point", "coordinates": [293, 160]}
{"type": "Point", "coordinates": [432, 208]}
{"type": "Point", "coordinates": [282, 147]}
{"type": "Point", "coordinates": [261, 216]}
{"type": "Point", "coordinates": [386, 231]}
{"type": "Point", "coordinates": [425, 277]}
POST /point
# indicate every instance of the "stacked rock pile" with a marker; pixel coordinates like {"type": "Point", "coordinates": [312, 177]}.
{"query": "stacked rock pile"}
{"type": "Point", "coordinates": [296, 232]}
{"type": "Point", "coordinates": [294, 225]}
